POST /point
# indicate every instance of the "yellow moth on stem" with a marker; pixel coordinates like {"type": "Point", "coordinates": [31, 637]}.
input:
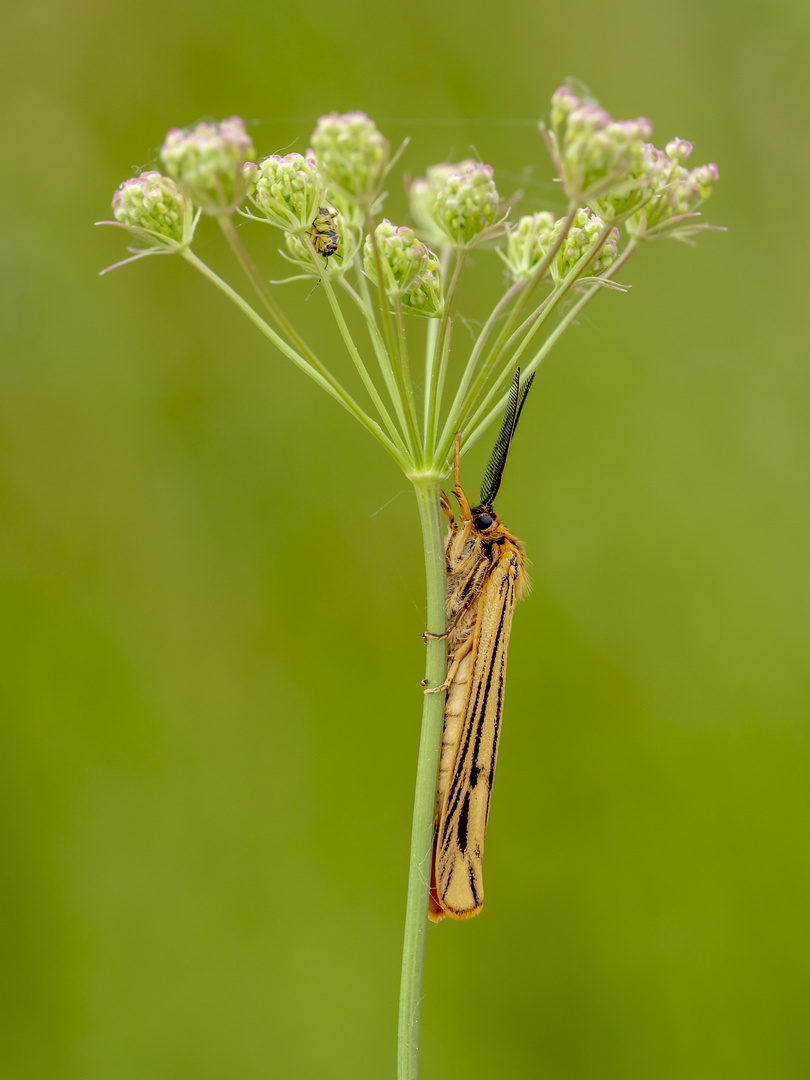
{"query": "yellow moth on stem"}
{"type": "Point", "coordinates": [486, 575]}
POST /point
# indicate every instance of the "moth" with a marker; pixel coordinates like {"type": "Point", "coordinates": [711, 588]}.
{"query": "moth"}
{"type": "Point", "coordinates": [486, 576]}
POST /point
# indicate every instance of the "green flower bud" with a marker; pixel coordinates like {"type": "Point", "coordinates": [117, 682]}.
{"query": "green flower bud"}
{"type": "Point", "coordinates": [402, 257]}
{"type": "Point", "coordinates": [422, 196]}
{"type": "Point", "coordinates": [426, 298]}
{"type": "Point", "coordinates": [288, 191]}
{"type": "Point", "coordinates": [467, 204]}
{"type": "Point", "coordinates": [154, 205]}
{"type": "Point", "coordinates": [410, 270]}
{"type": "Point", "coordinates": [351, 153]}
{"type": "Point", "coordinates": [208, 161]}
{"type": "Point", "coordinates": [584, 233]}
{"type": "Point", "coordinates": [527, 244]}
{"type": "Point", "coordinates": [563, 102]}
{"type": "Point", "coordinates": [674, 193]}
{"type": "Point", "coordinates": [154, 210]}
{"type": "Point", "coordinates": [596, 157]}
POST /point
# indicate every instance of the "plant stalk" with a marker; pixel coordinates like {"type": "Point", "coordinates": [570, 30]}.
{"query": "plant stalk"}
{"type": "Point", "coordinates": [416, 923]}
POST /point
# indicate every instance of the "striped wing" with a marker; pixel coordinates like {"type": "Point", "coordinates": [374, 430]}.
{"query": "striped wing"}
{"type": "Point", "coordinates": [463, 812]}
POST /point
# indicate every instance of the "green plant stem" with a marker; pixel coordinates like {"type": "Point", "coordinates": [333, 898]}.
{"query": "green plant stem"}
{"type": "Point", "coordinates": [354, 353]}
{"type": "Point", "coordinates": [476, 427]}
{"type": "Point", "coordinates": [426, 486]}
{"type": "Point", "coordinates": [432, 390]}
{"type": "Point", "coordinates": [328, 384]}
{"type": "Point", "coordinates": [362, 299]}
{"type": "Point", "coordinates": [405, 368]}
{"type": "Point", "coordinates": [260, 285]}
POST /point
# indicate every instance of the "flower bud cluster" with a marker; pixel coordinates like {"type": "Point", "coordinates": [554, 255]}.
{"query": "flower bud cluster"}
{"type": "Point", "coordinates": [422, 196]}
{"type": "Point", "coordinates": [596, 157]}
{"type": "Point", "coordinates": [288, 191]}
{"type": "Point", "coordinates": [467, 204]}
{"type": "Point", "coordinates": [675, 192]}
{"type": "Point", "coordinates": [411, 274]}
{"type": "Point", "coordinates": [351, 153]}
{"type": "Point", "coordinates": [582, 237]}
{"type": "Point", "coordinates": [154, 205]}
{"type": "Point", "coordinates": [208, 161]}
{"type": "Point", "coordinates": [527, 244]}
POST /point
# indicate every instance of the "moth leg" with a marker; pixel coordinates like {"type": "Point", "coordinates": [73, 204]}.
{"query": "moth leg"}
{"type": "Point", "coordinates": [452, 671]}
{"type": "Point", "coordinates": [433, 637]}
{"type": "Point", "coordinates": [447, 510]}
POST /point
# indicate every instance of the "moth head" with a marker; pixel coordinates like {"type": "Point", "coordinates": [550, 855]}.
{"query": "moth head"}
{"type": "Point", "coordinates": [484, 518]}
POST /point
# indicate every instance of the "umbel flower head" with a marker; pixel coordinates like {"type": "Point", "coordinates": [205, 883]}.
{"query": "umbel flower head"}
{"type": "Point", "coordinates": [422, 196]}
{"type": "Point", "coordinates": [582, 238]}
{"type": "Point", "coordinates": [601, 162]}
{"type": "Point", "coordinates": [530, 242]}
{"type": "Point", "coordinates": [410, 271]}
{"type": "Point", "coordinates": [674, 194]}
{"type": "Point", "coordinates": [527, 244]}
{"type": "Point", "coordinates": [287, 191]}
{"type": "Point", "coordinates": [208, 161]}
{"type": "Point", "coordinates": [154, 210]}
{"type": "Point", "coordinates": [467, 204]}
{"type": "Point", "coordinates": [153, 204]}
{"type": "Point", "coordinates": [351, 154]}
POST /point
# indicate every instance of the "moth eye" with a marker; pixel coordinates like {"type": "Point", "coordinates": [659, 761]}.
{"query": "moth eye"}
{"type": "Point", "coordinates": [483, 522]}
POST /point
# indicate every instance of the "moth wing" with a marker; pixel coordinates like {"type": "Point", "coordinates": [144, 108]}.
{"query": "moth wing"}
{"type": "Point", "coordinates": [463, 814]}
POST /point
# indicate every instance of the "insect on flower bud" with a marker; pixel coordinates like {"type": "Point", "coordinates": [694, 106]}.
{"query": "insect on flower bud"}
{"type": "Point", "coordinates": [208, 161]}
{"type": "Point", "coordinates": [467, 204]}
{"type": "Point", "coordinates": [351, 153]}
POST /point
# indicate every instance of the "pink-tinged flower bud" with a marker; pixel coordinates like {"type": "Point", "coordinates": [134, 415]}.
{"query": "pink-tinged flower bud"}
{"type": "Point", "coordinates": [426, 297]}
{"type": "Point", "coordinates": [402, 257]}
{"type": "Point", "coordinates": [527, 244]}
{"type": "Point", "coordinates": [673, 194]}
{"type": "Point", "coordinates": [351, 153]}
{"type": "Point", "coordinates": [154, 210]}
{"type": "Point", "coordinates": [422, 196]}
{"type": "Point", "coordinates": [599, 161]}
{"type": "Point", "coordinates": [563, 101]}
{"type": "Point", "coordinates": [411, 274]}
{"type": "Point", "coordinates": [152, 204]}
{"type": "Point", "coordinates": [288, 191]}
{"type": "Point", "coordinates": [702, 179]}
{"type": "Point", "coordinates": [678, 150]}
{"type": "Point", "coordinates": [583, 237]}
{"type": "Point", "coordinates": [209, 161]}
{"type": "Point", "coordinates": [467, 204]}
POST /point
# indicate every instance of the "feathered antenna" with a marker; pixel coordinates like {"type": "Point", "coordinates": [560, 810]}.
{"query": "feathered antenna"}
{"type": "Point", "coordinates": [497, 463]}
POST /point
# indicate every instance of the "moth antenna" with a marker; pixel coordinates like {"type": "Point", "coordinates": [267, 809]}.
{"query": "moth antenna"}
{"type": "Point", "coordinates": [497, 462]}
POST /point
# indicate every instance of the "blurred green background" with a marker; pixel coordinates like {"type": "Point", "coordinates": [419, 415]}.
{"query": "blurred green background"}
{"type": "Point", "coordinates": [212, 580]}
